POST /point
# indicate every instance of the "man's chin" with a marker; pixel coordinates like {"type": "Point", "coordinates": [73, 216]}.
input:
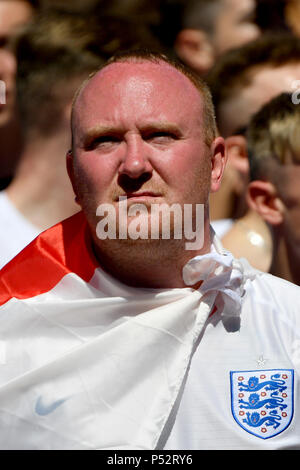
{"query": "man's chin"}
{"type": "Point", "coordinates": [148, 249]}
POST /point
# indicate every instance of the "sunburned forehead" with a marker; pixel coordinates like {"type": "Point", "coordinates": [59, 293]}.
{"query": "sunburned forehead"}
{"type": "Point", "coordinates": [138, 66]}
{"type": "Point", "coordinates": [158, 75]}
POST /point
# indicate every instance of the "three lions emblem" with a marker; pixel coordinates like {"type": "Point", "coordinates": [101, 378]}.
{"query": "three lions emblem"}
{"type": "Point", "coordinates": [262, 401]}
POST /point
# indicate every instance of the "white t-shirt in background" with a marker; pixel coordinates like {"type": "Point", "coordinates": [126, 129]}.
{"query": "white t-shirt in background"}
{"type": "Point", "coordinates": [15, 233]}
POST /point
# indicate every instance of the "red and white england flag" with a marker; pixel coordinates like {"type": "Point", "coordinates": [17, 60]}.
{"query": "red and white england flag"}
{"type": "Point", "coordinates": [61, 250]}
{"type": "Point", "coordinates": [87, 362]}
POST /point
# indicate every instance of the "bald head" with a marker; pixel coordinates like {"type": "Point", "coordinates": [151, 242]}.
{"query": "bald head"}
{"type": "Point", "coordinates": [134, 64]}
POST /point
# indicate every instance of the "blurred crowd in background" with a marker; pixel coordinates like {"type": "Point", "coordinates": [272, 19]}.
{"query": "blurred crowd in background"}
{"type": "Point", "coordinates": [247, 51]}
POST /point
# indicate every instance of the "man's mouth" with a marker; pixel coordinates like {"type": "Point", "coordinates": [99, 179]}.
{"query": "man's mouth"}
{"type": "Point", "coordinates": [142, 195]}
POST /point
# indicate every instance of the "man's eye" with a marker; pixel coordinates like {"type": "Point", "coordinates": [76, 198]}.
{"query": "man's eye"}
{"type": "Point", "coordinates": [160, 137]}
{"type": "Point", "coordinates": [103, 141]}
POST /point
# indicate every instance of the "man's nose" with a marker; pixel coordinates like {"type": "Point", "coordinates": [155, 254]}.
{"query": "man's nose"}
{"type": "Point", "coordinates": [136, 158]}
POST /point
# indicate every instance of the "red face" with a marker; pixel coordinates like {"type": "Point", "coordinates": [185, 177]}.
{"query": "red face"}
{"type": "Point", "coordinates": [138, 132]}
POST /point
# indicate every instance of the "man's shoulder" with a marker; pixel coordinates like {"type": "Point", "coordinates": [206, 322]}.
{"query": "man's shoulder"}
{"type": "Point", "coordinates": [269, 289]}
{"type": "Point", "coordinates": [277, 282]}
{"type": "Point", "coordinates": [60, 250]}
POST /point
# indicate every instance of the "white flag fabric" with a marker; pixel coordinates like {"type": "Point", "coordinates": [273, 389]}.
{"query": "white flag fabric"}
{"type": "Point", "coordinates": [87, 362]}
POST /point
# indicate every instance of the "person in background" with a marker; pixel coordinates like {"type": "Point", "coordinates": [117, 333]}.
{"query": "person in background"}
{"type": "Point", "coordinates": [13, 15]}
{"type": "Point", "coordinates": [273, 141]}
{"type": "Point", "coordinates": [242, 81]}
{"type": "Point", "coordinates": [47, 77]}
{"type": "Point", "coordinates": [200, 31]}
{"type": "Point", "coordinates": [292, 16]}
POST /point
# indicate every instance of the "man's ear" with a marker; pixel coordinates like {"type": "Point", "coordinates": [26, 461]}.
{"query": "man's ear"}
{"type": "Point", "coordinates": [218, 159]}
{"type": "Point", "coordinates": [263, 198]}
{"type": "Point", "coordinates": [195, 49]}
{"type": "Point", "coordinates": [237, 154]}
{"type": "Point", "coordinates": [70, 170]}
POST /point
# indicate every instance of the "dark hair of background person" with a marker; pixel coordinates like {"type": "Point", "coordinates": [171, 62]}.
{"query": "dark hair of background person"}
{"type": "Point", "coordinates": [79, 44]}
{"type": "Point", "coordinates": [45, 69]}
{"type": "Point", "coordinates": [273, 138]}
{"type": "Point", "coordinates": [145, 16]}
{"type": "Point", "coordinates": [175, 15]}
{"type": "Point", "coordinates": [232, 71]}
{"type": "Point", "coordinates": [270, 16]}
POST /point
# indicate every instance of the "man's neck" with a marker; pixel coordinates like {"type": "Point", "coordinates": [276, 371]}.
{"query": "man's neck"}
{"type": "Point", "coordinates": [41, 189]}
{"type": "Point", "coordinates": [148, 263]}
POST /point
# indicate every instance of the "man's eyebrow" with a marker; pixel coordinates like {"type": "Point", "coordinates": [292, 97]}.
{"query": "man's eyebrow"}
{"type": "Point", "coordinates": [97, 131]}
{"type": "Point", "coordinates": [164, 126]}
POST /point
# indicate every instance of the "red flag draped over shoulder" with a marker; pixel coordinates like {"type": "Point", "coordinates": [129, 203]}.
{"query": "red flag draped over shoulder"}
{"type": "Point", "coordinates": [62, 249]}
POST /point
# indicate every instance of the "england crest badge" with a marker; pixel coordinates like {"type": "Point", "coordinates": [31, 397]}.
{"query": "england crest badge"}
{"type": "Point", "coordinates": [262, 401]}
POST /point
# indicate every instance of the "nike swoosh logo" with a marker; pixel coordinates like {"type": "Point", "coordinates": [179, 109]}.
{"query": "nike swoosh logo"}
{"type": "Point", "coordinates": [42, 410]}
